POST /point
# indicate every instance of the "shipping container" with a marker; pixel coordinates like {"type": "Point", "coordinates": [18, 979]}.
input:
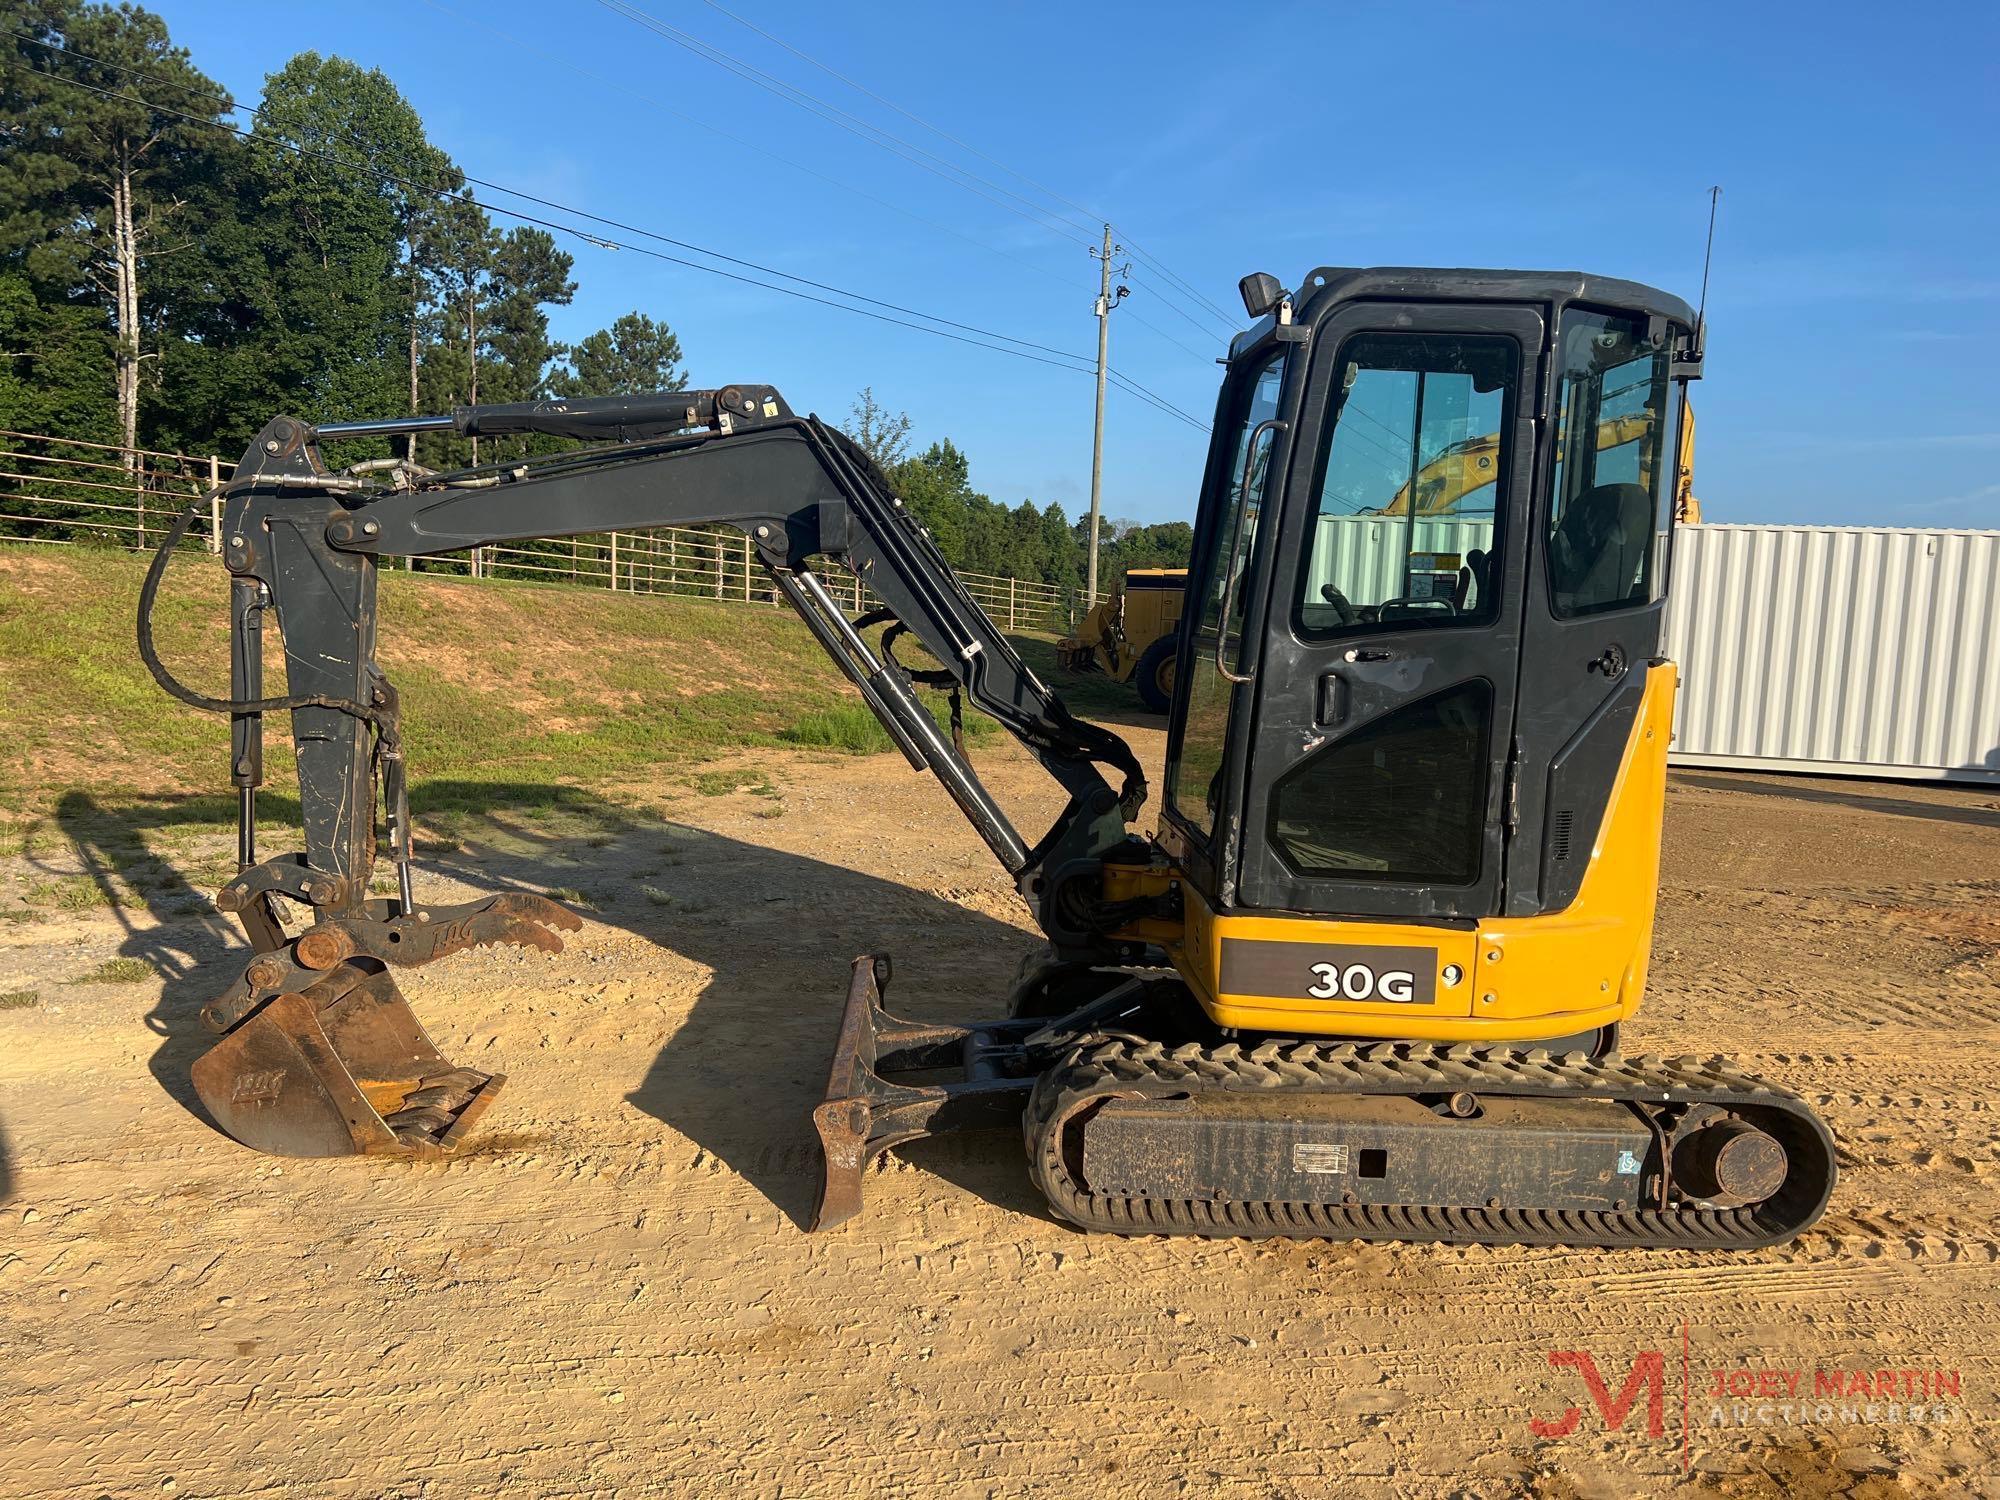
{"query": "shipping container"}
{"type": "Point", "coordinates": [1858, 650]}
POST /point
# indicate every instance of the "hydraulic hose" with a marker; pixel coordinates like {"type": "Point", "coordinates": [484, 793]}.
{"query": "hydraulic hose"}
{"type": "Point", "coordinates": [149, 593]}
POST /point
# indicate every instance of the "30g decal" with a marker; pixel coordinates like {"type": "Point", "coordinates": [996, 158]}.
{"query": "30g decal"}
{"type": "Point", "coordinates": [1350, 973]}
{"type": "Point", "coordinates": [1360, 982]}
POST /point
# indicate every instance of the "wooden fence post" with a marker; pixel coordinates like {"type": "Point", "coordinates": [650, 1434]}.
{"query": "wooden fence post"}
{"type": "Point", "coordinates": [215, 506]}
{"type": "Point", "coordinates": [614, 562]}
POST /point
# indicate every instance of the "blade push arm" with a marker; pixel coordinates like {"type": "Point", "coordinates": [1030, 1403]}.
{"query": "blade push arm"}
{"type": "Point", "coordinates": [306, 543]}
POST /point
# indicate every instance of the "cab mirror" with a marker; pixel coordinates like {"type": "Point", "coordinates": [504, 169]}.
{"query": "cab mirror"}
{"type": "Point", "coordinates": [1262, 292]}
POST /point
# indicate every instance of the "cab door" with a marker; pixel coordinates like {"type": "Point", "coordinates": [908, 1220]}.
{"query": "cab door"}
{"type": "Point", "coordinates": [1595, 597]}
{"type": "Point", "coordinates": [1385, 677]}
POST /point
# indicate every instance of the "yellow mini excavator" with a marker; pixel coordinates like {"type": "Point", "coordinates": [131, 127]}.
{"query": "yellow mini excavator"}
{"type": "Point", "coordinates": [1368, 977]}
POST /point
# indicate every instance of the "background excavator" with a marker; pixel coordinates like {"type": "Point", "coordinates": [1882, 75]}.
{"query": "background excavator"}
{"type": "Point", "coordinates": [1367, 978]}
{"type": "Point", "coordinates": [1470, 465]}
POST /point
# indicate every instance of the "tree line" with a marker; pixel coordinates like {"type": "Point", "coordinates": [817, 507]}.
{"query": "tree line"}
{"type": "Point", "coordinates": [173, 272]}
{"type": "Point", "coordinates": [982, 535]}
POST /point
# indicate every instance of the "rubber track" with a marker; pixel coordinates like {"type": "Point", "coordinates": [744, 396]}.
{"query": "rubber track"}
{"type": "Point", "coordinates": [1063, 1097]}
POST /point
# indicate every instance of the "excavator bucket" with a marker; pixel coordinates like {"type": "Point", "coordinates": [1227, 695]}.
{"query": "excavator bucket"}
{"type": "Point", "coordinates": [339, 1068]}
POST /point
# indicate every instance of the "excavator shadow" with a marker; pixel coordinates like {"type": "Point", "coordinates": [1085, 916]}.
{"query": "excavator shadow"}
{"type": "Point", "coordinates": [737, 1075]}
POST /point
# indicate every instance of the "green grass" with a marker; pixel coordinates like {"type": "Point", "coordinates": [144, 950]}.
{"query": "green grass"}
{"type": "Point", "coordinates": [738, 779]}
{"type": "Point", "coordinates": [69, 893]}
{"type": "Point", "coordinates": [117, 971]}
{"type": "Point", "coordinates": [20, 999]}
{"type": "Point", "coordinates": [854, 729]}
{"type": "Point", "coordinates": [848, 727]}
{"type": "Point", "coordinates": [504, 684]}
{"type": "Point", "coordinates": [670, 902]}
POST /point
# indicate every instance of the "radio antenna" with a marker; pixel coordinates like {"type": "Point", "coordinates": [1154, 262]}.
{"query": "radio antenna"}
{"type": "Point", "coordinates": [1707, 256]}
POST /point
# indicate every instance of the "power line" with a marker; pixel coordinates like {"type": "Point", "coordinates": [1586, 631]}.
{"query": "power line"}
{"type": "Point", "coordinates": [1062, 360]}
{"type": "Point", "coordinates": [549, 203]}
{"type": "Point", "coordinates": [845, 187]}
{"type": "Point", "coordinates": [1162, 333]}
{"type": "Point", "coordinates": [1091, 216]}
{"type": "Point", "coordinates": [854, 125]}
{"type": "Point", "coordinates": [1230, 320]}
{"type": "Point", "coordinates": [1159, 403]}
{"type": "Point", "coordinates": [599, 240]}
{"type": "Point", "coordinates": [747, 144]}
{"type": "Point", "coordinates": [1188, 310]}
{"type": "Point", "coordinates": [227, 102]}
{"type": "Point", "coordinates": [1175, 308]}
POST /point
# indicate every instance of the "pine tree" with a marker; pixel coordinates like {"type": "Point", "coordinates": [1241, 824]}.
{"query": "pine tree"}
{"type": "Point", "coordinates": [346, 172]}
{"type": "Point", "coordinates": [97, 103]}
{"type": "Point", "coordinates": [884, 436]}
{"type": "Point", "coordinates": [633, 357]}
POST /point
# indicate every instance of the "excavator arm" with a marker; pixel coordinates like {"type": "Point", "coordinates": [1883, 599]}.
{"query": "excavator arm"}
{"type": "Point", "coordinates": [328, 1071]}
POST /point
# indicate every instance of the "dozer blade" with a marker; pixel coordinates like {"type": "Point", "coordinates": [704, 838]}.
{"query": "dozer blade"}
{"type": "Point", "coordinates": [895, 1081]}
{"type": "Point", "coordinates": [341, 1068]}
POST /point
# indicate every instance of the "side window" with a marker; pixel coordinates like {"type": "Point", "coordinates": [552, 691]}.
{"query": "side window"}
{"type": "Point", "coordinates": [1410, 481]}
{"type": "Point", "coordinates": [1610, 516]}
{"type": "Point", "coordinates": [1194, 779]}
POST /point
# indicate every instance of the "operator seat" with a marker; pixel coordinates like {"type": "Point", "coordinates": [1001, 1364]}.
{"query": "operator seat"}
{"type": "Point", "coordinates": [1600, 547]}
{"type": "Point", "coordinates": [1472, 581]}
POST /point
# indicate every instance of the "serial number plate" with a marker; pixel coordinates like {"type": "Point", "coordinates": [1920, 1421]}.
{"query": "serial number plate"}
{"type": "Point", "coordinates": [1319, 1158]}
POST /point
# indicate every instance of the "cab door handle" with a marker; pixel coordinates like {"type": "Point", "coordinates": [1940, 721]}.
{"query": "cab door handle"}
{"type": "Point", "coordinates": [1333, 700]}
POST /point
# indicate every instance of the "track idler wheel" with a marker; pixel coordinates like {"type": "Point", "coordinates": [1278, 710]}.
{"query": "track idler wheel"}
{"type": "Point", "coordinates": [1727, 1162]}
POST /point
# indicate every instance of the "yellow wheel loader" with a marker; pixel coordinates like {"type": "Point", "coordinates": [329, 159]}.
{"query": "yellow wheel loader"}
{"type": "Point", "coordinates": [1366, 979]}
{"type": "Point", "coordinates": [1134, 635]}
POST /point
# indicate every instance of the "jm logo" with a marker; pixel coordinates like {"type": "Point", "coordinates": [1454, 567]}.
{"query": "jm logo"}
{"type": "Point", "coordinates": [1649, 1373]}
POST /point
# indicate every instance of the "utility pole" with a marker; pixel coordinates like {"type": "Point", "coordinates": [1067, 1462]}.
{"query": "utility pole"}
{"type": "Point", "coordinates": [472, 383]}
{"type": "Point", "coordinates": [1105, 302]}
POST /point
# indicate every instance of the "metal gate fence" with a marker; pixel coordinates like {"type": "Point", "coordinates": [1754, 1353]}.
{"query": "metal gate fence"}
{"type": "Point", "coordinates": [63, 492]}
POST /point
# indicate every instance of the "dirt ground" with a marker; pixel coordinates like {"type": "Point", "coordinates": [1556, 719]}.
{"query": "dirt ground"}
{"type": "Point", "coordinates": [610, 1292]}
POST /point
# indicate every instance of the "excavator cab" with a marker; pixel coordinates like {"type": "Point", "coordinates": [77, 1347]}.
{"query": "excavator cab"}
{"type": "Point", "coordinates": [1412, 720]}
{"type": "Point", "coordinates": [1367, 978]}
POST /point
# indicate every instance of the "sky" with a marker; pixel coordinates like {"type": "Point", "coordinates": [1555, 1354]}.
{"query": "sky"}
{"type": "Point", "coordinates": [1856, 279]}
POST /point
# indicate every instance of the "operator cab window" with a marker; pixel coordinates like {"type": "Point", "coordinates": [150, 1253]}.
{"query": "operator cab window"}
{"type": "Point", "coordinates": [1194, 777]}
{"type": "Point", "coordinates": [1405, 536]}
{"type": "Point", "coordinates": [1611, 517]}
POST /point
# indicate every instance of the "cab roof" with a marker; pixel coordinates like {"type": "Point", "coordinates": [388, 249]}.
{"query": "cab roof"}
{"type": "Point", "coordinates": [1334, 284]}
